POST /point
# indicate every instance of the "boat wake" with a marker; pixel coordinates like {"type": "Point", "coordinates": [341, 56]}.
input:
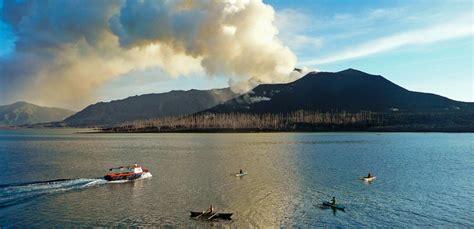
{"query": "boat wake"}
{"type": "Point", "coordinates": [17, 193]}
{"type": "Point", "coordinates": [146, 175]}
{"type": "Point", "coordinates": [13, 194]}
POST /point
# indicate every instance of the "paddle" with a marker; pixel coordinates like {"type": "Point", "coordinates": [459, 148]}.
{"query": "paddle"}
{"type": "Point", "coordinates": [212, 216]}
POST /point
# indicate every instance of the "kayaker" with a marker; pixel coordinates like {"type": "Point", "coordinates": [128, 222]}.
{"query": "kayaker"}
{"type": "Point", "coordinates": [333, 200]}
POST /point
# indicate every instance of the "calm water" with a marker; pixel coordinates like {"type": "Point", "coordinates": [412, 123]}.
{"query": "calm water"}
{"type": "Point", "coordinates": [422, 179]}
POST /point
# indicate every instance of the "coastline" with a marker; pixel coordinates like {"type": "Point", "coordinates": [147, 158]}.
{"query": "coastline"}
{"type": "Point", "coordinates": [320, 130]}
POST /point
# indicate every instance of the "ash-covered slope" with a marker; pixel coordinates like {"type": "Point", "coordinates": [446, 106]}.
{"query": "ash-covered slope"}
{"type": "Point", "coordinates": [349, 90]}
{"type": "Point", "coordinates": [173, 103]}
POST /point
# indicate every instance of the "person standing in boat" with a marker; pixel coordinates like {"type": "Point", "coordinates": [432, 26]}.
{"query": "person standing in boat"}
{"type": "Point", "coordinates": [369, 175]}
{"type": "Point", "coordinates": [333, 200]}
{"type": "Point", "coordinates": [210, 210]}
{"type": "Point", "coordinates": [241, 172]}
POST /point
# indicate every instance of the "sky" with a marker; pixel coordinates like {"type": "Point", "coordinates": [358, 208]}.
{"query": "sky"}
{"type": "Point", "coordinates": [425, 46]}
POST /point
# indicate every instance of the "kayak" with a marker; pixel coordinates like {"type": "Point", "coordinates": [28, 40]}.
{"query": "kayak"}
{"type": "Point", "coordinates": [369, 178]}
{"type": "Point", "coordinates": [210, 216]}
{"type": "Point", "coordinates": [335, 206]}
{"type": "Point", "coordinates": [240, 174]}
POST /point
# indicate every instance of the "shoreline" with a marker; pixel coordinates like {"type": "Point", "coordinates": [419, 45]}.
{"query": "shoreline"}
{"type": "Point", "coordinates": [87, 130]}
{"type": "Point", "coordinates": [374, 130]}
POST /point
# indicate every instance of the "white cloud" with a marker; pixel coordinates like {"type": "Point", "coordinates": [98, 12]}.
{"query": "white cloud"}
{"type": "Point", "coordinates": [440, 32]}
{"type": "Point", "coordinates": [299, 41]}
{"type": "Point", "coordinates": [293, 26]}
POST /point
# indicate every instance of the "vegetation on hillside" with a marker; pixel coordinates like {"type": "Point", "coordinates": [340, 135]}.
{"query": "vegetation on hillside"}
{"type": "Point", "coordinates": [299, 121]}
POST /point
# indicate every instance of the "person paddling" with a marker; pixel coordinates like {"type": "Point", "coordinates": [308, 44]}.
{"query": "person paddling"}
{"type": "Point", "coordinates": [210, 210]}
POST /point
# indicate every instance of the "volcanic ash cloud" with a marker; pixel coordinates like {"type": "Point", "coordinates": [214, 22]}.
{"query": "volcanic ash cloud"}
{"type": "Point", "coordinates": [73, 48]}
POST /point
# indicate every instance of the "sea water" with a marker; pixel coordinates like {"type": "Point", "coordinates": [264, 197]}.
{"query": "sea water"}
{"type": "Point", "coordinates": [54, 178]}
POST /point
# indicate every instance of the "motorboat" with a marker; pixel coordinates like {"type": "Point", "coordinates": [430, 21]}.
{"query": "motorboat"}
{"type": "Point", "coordinates": [124, 173]}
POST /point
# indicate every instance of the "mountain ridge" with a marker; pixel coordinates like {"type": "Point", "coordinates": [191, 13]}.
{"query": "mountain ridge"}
{"type": "Point", "coordinates": [330, 93]}
{"type": "Point", "coordinates": [147, 106]}
{"type": "Point", "coordinates": [348, 90]}
{"type": "Point", "coordinates": [24, 113]}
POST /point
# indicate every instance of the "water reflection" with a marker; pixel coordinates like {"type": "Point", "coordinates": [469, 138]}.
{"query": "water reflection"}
{"type": "Point", "coordinates": [262, 198]}
{"type": "Point", "coordinates": [289, 176]}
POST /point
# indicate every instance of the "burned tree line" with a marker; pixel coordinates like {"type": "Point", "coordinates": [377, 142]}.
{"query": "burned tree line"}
{"type": "Point", "coordinates": [294, 121]}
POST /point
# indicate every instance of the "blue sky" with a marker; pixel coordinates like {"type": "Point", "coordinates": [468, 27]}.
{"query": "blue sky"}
{"type": "Point", "coordinates": [421, 45]}
{"type": "Point", "coordinates": [436, 63]}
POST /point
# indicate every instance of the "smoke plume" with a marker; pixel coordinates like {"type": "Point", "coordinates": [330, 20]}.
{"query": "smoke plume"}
{"type": "Point", "coordinates": [64, 51]}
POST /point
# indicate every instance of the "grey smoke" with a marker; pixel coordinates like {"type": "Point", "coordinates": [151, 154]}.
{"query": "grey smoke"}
{"type": "Point", "coordinates": [64, 51]}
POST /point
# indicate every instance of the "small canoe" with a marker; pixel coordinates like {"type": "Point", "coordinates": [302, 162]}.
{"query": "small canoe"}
{"type": "Point", "coordinates": [369, 178]}
{"type": "Point", "coordinates": [210, 216]}
{"type": "Point", "coordinates": [334, 206]}
{"type": "Point", "coordinates": [241, 174]}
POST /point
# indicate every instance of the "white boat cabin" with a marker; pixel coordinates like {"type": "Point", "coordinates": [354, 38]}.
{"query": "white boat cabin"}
{"type": "Point", "coordinates": [127, 169]}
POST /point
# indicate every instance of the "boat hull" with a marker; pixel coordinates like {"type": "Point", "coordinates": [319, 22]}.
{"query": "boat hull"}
{"type": "Point", "coordinates": [369, 179]}
{"type": "Point", "coordinates": [123, 177]}
{"type": "Point", "coordinates": [334, 206]}
{"type": "Point", "coordinates": [240, 174]}
{"type": "Point", "coordinates": [214, 215]}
